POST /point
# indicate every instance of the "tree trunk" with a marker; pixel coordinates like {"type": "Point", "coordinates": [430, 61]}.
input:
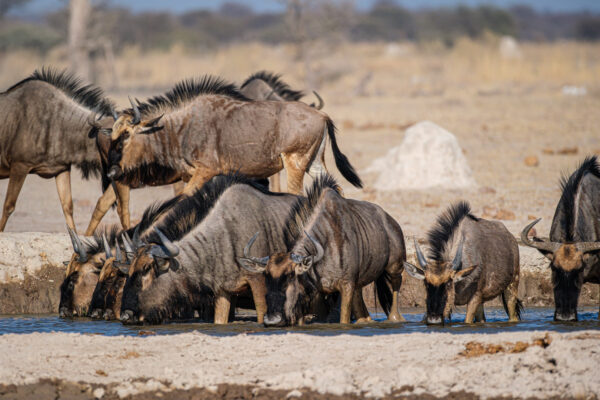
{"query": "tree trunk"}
{"type": "Point", "coordinates": [78, 50]}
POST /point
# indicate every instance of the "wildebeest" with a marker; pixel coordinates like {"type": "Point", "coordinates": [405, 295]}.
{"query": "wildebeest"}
{"type": "Point", "coordinates": [471, 260]}
{"type": "Point", "coordinates": [574, 238]}
{"type": "Point", "coordinates": [333, 245]}
{"type": "Point", "coordinates": [43, 132]}
{"type": "Point", "coordinates": [89, 258]}
{"type": "Point", "coordinates": [205, 127]}
{"type": "Point", "coordinates": [191, 255]}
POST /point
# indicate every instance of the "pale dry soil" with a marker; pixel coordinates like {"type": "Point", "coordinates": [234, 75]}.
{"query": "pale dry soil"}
{"type": "Point", "coordinates": [542, 365]}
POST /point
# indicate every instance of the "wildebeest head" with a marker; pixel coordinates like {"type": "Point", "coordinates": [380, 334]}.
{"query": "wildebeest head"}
{"type": "Point", "coordinates": [439, 278]}
{"type": "Point", "coordinates": [81, 278]}
{"type": "Point", "coordinates": [567, 261]}
{"type": "Point", "coordinates": [288, 281]}
{"type": "Point", "coordinates": [106, 300]}
{"type": "Point", "coordinates": [152, 292]}
{"type": "Point", "coordinates": [126, 127]}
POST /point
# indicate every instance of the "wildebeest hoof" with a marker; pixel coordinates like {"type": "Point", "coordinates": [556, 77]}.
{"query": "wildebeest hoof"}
{"type": "Point", "coordinates": [364, 320]}
{"type": "Point", "coordinates": [127, 317]}
{"type": "Point", "coordinates": [434, 321]}
{"type": "Point", "coordinates": [395, 317]}
{"type": "Point", "coordinates": [108, 315]}
{"type": "Point", "coordinates": [96, 313]}
{"type": "Point", "coordinates": [565, 317]}
{"type": "Point", "coordinates": [64, 312]}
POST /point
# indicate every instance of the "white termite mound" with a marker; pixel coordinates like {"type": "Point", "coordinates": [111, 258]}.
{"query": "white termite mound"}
{"type": "Point", "coordinates": [428, 157]}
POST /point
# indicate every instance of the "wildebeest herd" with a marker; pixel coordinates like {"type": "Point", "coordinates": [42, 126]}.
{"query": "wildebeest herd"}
{"type": "Point", "coordinates": [230, 238]}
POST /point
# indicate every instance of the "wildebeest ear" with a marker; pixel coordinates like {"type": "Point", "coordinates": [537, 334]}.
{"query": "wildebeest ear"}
{"type": "Point", "coordinates": [106, 131]}
{"type": "Point", "coordinates": [66, 263]}
{"type": "Point", "coordinates": [304, 267]}
{"type": "Point", "coordinates": [122, 267]}
{"type": "Point", "coordinates": [463, 273]}
{"type": "Point", "coordinates": [414, 271]}
{"type": "Point", "coordinates": [250, 265]}
{"type": "Point", "coordinates": [150, 129]}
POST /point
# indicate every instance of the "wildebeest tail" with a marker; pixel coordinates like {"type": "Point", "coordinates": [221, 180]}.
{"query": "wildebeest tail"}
{"type": "Point", "coordinates": [341, 161]}
{"type": "Point", "coordinates": [519, 306]}
{"type": "Point", "coordinates": [384, 293]}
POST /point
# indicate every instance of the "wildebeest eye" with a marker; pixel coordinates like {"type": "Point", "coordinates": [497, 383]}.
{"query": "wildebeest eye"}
{"type": "Point", "coordinates": [307, 261]}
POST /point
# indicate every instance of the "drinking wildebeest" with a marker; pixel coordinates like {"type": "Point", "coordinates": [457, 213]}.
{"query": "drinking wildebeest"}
{"type": "Point", "coordinates": [90, 255]}
{"type": "Point", "coordinates": [202, 128]}
{"type": "Point", "coordinates": [471, 261]}
{"type": "Point", "coordinates": [574, 238]}
{"type": "Point", "coordinates": [259, 86]}
{"type": "Point", "coordinates": [192, 253]}
{"type": "Point", "coordinates": [333, 245]}
{"type": "Point", "coordinates": [43, 132]}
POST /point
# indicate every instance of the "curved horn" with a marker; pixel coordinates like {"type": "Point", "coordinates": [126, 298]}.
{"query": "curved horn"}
{"type": "Point", "coordinates": [114, 114]}
{"type": "Point", "coordinates": [320, 251]}
{"type": "Point", "coordinates": [93, 121]}
{"type": "Point", "coordinates": [137, 243]}
{"type": "Point", "coordinates": [586, 247]}
{"type": "Point", "coordinates": [321, 102]}
{"type": "Point", "coordinates": [137, 117]}
{"type": "Point", "coordinates": [457, 262]}
{"type": "Point", "coordinates": [172, 249]}
{"type": "Point", "coordinates": [127, 243]}
{"type": "Point", "coordinates": [544, 245]}
{"type": "Point", "coordinates": [259, 260]}
{"type": "Point", "coordinates": [118, 254]}
{"type": "Point", "coordinates": [107, 251]}
{"type": "Point", "coordinates": [420, 257]}
{"type": "Point", "coordinates": [78, 246]}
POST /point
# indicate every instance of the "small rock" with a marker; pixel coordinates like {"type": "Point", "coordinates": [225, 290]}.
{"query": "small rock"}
{"type": "Point", "coordinates": [532, 161]}
{"type": "Point", "coordinates": [531, 217]}
{"type": "Point", "coordinates": [293, 394]}
{"type": "Point", "coordinates": [98, 393]}
{"type": "Point", "coordinates": [506, 215]}
{"type": "Point", "coordinates": [548, 151]}
{"type": "Point", "coordinates": [567, 151]}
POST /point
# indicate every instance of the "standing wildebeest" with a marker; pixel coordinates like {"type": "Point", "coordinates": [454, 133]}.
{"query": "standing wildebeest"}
{"type": "Point", "coordinates": [574, 238]}
{"type": "Point", "coordinates": [203, 128]}
{"type": "Point", "coordinates": [485, 264]}
{"type": "Point", "coordinates": [43, 132]}
{"type": "Point", "coordinates": [89, 259]}
{"type": "Point", "coordinates": [333, 245]}
{"type": "Point", "coordinates": [192, 253]}
{"type": "Point", "coordinates": [259, 86]}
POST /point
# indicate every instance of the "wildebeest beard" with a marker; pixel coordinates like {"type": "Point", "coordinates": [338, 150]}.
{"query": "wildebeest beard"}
{"type": "Point", "coordinates": [567, 285]}
{"type": "Point", "coordinates": [437, 300]}
{"type": "Point", "coordinates": [289, 296]}
{"type": "Point", "coordinates": [171, 296]}
{"type": "Point", "coordinates": [66, 295]}
{"type": "Point", "coordinates": [106, 293]}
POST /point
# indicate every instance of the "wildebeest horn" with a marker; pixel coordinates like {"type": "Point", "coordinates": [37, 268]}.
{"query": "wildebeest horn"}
{"type": "Point", "coordinates": [321, 103]}
{"type": "Point", "coordinates": [137, 243]}
{"type": "Point", "coordinates": [586, 247]}
{"type": "Point", "coordinates": [107, 251]}
{"type": "Point", "coordinates": [320, 251]}
{"type": "Point", "coordinates": [118, 255]}
{"type": "Point", "coordinates": [259, 260]}
{"type": "Point", "coordinates": [137, 117]}
{"type": "Point", "coordinates": [93, 121]}
{"type": "Point", "coordinates": [172, 249]}
{"type": "Point", "coordinates": [420, 257]}
{"type": "Point", "coordinates": [114, 114]}
{"type": "Point", "coordinates": [77, 246]}
{"type": "Point", "coordinates": [127, 243]}
{"type": "Point", "coordinates": [457, 262]}
{"type": "Point", "coordinates": [544, 245]}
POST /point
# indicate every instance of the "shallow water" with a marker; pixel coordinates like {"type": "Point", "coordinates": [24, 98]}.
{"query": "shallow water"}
{"type": "Point", "coordinates": [534, 319]}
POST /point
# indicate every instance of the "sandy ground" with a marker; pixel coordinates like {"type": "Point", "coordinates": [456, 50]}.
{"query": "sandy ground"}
{"type": "Point", "coordinates": [524, 364]}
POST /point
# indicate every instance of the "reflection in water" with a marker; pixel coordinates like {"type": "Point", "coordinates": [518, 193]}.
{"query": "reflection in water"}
{"type": "Point", "coordinates": [533, 319]}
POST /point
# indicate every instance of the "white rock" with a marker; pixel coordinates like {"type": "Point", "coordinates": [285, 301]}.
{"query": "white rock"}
{"type": "Point", "coordinates": [428, 157]}
{"type": "Point", "coordinates": [98, 393]}
{"type": "Point", "coordinates": [509, 48]}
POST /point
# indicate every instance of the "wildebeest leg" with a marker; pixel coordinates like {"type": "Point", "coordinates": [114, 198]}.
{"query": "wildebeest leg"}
{"type": "Point", "coordinates": [317, 167]}
{"type": "Point", "coordinates": [275, 182]}
{"type": "Point", "coordinates": [479, 314]}
{"type": "Point", "coordinates": [178, 187]}
{"type": "Point", "coordinates": [396, 281]}
{"type": "Point", "coordinates": [63, 186]}
{"type": "Point", "coordinates": [199, 178]}
{"type": "Point", "coordinates": [222, 306]}
{"type": "Point", "coordinates": [512, 301]}
{"type": "Point", "coordinates": [232, 305]}
{"type": "Point", "coordinates": [472, 308]}
{"type": "Point", "coordinates": [346, 305]}
{"type": "Point", "coordinates": [16, 177]}
{"type": "Point", "coordinates": [103, 204]}
{"type": "Point", "coordinates": [259, 294]}
{"type": "Point", "coordinates": [295, 173]}
{"type": "Point", "coordinates": [123, 204]}
{"type": "Point", "coordinates": [359, 308]}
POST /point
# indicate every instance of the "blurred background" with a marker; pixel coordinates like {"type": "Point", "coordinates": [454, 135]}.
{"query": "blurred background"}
{"type": "Point", "coordinates": [516, 82]}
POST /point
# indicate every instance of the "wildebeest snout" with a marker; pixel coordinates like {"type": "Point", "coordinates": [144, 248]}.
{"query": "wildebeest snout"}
{"type": "Point", "coordinates": [64, 312]}
{"type": "Point", "coordinates": [96, 313]}
{"type": "Point", "coordinates": [434, 320]}
{"type": "Point", "coordinates": [565, 316]}
{"type": "Point", "coordinates": [275, 319]}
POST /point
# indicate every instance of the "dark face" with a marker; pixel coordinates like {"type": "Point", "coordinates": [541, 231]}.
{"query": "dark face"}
{"type": "Point", "coordinates": [567, 265]}
{"type": "Point", "coordinates": [78, 287]}
{"type": "Point", "coordinates": [287, 291]}
{"type": "Point", "coordinates": [106, 300]}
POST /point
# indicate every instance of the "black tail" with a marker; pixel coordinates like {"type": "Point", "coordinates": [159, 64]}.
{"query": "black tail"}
{"type": "Point", "coordinates": [519, 306]}
{"type": "Point", "coordinates": [341, 161]}
{"type": "Point", "coordinates": [384, 293]}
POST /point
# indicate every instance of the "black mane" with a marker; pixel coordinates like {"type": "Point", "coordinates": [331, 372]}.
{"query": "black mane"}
{"type": "Point", "coordinates": [303, 208]}
{"type": "Point", "coordinates": [189, 89]}
{"type": "Point", "coordinates": [280, 87]}
{"type": "Point", "coordinates": [189, 211]}
{"type": "Point", "coordinates": [444, 228]}
{"type": "Point", "coordinates": [570, 186]}
{"type": "Point", "coordinates": [90, 96]}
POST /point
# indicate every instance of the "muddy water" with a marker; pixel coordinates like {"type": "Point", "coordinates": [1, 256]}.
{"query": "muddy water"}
{"type": "Point", "coordinates": [533, 319]}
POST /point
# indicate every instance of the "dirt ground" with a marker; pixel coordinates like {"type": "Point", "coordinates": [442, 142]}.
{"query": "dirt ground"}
{"type": "Point", "coordinates": [511, 364]}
